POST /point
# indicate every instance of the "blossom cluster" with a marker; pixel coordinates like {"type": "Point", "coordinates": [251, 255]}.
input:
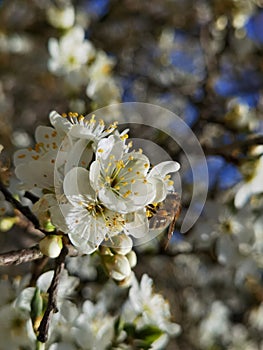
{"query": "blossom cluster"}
{"type": "Point", "coordinates": [75, 58]}
{"type": "Point", "coordinates": [90, 325]}
{"type": "Point", "coordinates": [91, 184]}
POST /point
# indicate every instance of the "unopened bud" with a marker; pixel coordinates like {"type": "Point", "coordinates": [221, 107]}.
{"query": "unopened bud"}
{"type": "Point", "coordinates": [48, 226]}
{"type": "Point", "coordinates": [7, 223]}
{"type": "Point", "coordinates": [122, 244]}
{"type": "Point", "coordinates": [132, 258]}
{"type": "Point", "coordinates": [118, 266]}
{"type": "Point", "coordinates": [36, 312]}
{"type": "Point", "coordinates": [51, 246]}
{"type": "Point", "coordinates": [126, 282]}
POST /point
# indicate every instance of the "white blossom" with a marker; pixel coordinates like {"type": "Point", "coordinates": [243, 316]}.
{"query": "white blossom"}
{"type": "Point", "coordinates": [71, 53]}
{"type": "Point", "coordinates": [61, 17]}
{"type": "Point", "coordinates": [252, 185]}
{"type": "Point", "coordinates": [94, 328]}
{"type": "Point", "coordinates": [144, 307]}
{"type": "Point", "coordinates": [215, 326]}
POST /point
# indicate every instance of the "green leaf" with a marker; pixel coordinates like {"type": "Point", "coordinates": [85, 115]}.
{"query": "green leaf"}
{"type": "Point", "coordinates": [36, 308]}
{"type": "Point", "coordinates": [148, 335]}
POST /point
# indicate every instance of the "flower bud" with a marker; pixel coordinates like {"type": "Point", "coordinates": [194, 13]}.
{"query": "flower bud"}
{"type": "Point", "coordinates": [62, 18]}
{"type": "Point", "coordinates": [7, 223]}
{"type": "Point", "coordinates": [118, 266]}
{"type": "Point", "coordinates": [51, 246]}
{"type": "Point", "coordinates": [122, 244]}
{"type": "Point", "coordinates": [132, 258]}
{"type": "Point", "coordinates": [126, 282]}
{"type": "Point", "coordinates": [36, 312]}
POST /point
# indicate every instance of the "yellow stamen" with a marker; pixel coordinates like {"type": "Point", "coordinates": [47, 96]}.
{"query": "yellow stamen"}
{"type": "Point", "coordinates": [126, 194]}
{"type": "Point", "coordinates": [124, 137]}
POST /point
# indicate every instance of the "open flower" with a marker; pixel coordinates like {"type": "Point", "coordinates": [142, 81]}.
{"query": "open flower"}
{"type": "Point", "coordinates": [122, 179]}
{"type": "Point", "coordinates": [88, 221]}
{"type": "Point", "coordinates": [145, 307]}
{"type": "Point", "coordinates": [65, 145]}
{"type": "Point", "coordinates": [71, 53]}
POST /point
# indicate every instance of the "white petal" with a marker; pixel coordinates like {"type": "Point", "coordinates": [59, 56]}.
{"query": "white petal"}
{"type": "Point", "coordinates": [76, 183]}
{"type": "Point", "coordinates": [53, 47]}
{"type": "Point", "coordinates": [24, 156]}
{"type": "Point", "coordinates": [79, 155]}
{"type": "Point", "coordinates": [24, 299]}
{"type": "Point", "coordinates": [111, 200]}
{"type": "Point", "coordinates": [160, 189]}
{"type": "Point", "coordinates": [95, 174]}
{"type": "Point", "coordinates": [62, 125]}
{"type": "Point", "coordinates": [43, 281]}
{"type": "Point", "coordinates": [164, 168]}
{"type": "Point", "coordinates": [137, 225]}
{"type": "Point", "coordinates": [36, 174]}
{"type": "Point", "coordinates": [242, 196]}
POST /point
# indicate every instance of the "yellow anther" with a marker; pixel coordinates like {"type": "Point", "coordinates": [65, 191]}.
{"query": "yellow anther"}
{"type": "Point", "coordinates": [100, 150]}
{"type": "Point", "coordinates": [101, 122]}
{"type": "Point", "coordinates": [64, 115]}
{"type": "Point", "coordinates": [81, 117]}
{"type": "Point", "coordinates": [112, 156]}
{"type": "Point", "coordinates": [106, 69]}
{"type": "Point", "coordinates": [108, 179]}
{"type": "Point", "coordinates": [126, 194]}
{"type": "Point", "coordinates": [124, 183]}
{"type": "Point", "coordinates": [117, 187]}
{"type": "Point", "coordinates": [145, 181]}
{"type": "Point", "coordinates": [167, 177]}
{"type": "Point", "coordinates": [131, 157]}
{"type": "Point", "coordinates": [130, 144]}
{"type": "Point", "coordinates": [120, 164]}
{"type": "Point", "coordinates": [140, 150]}
{"type": "Point", "coordinates": [21, 156]}
{"type": "Point", "coordinates": [92, 119]}
{"type": "Point", "coordinates": [124, 137]}
{"type": "Point", "coordinates": [138, 172]}
{"type": "Point", "coordinates": [170, 183]}
{"type": "Point", "coordinates": [133, 181]}
{"type": "Point", "coordinates": [129, 169]}
{"type": "Point", "coordinates": [146, 165]}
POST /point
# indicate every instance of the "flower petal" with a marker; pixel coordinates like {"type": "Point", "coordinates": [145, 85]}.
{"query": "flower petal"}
{"type": "Point", "coordinates": [77, 186]}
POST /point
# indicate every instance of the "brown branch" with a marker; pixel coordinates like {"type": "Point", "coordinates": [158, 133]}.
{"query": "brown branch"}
{"type": "Point", "coordinates": [230, 151]}
{"type": "Point", "coordinates": [23, 209]}
{"type": "Point", "coordinates": [20, 256]}
{"type": "Point", "coordinates": [52, 297]}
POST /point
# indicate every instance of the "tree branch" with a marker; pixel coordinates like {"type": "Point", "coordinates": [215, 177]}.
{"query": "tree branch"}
{"type": "Point", "coordinates": [23, 209]}
{"type": "Point", "coordinates": [230, 149]}
{"type": "Point", "coordinates": [20, 256]}
{"type": "Point", "coordinates": [52, 298]}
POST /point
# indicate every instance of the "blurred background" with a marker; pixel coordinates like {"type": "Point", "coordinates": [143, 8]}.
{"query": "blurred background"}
{"type": "Point", "coordinates": [201, 60]}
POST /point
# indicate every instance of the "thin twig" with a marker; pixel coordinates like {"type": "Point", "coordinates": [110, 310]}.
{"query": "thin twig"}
{"type": "Point", "coordinates": [242, 145]}
{"type": "Point", "coordinates": [23, 209]}
{"type": "Point", "coordinates": [31, 196]}
{"type": "Point", "coordinates": [52, 297]}
{"type": "Point", "coordinates": [20, 256]}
